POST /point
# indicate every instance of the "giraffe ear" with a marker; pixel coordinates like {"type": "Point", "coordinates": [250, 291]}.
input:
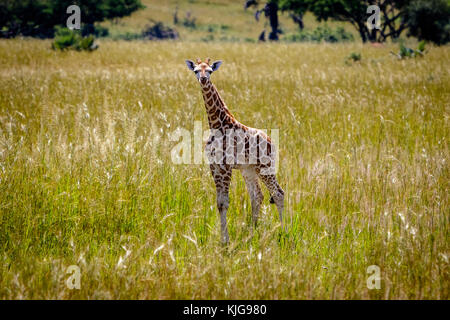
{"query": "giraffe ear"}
{"type": "Point", "coordinates": [216, 65]}
{"type": "Point", "coordinates": [190, 64]}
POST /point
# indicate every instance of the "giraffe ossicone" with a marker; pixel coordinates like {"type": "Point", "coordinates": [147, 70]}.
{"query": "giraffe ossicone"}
{"type": "Point", "coordinates": [232, 145]}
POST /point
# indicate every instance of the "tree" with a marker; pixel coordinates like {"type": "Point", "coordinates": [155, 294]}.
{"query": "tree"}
{"type": "Point", "coordinates": [355, 12]}
{"type": "Point", "coordinates": [425, 19]}
{"type": "Point", "coordinates": [429, 20]}
{"type": "Point", "coordinates": [39, 17]}
{"type": "Point", "coordinates": [270, 10]}
{"type": "Point", "coordinates": [21, 17]}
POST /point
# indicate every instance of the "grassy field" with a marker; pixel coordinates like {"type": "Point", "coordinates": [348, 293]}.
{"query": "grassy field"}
{"type": "Point", "coordinates": [86, 176]}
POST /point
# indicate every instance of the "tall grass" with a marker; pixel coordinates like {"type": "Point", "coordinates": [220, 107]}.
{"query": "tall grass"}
{"type": "Point", "coordinates": [86, 176]}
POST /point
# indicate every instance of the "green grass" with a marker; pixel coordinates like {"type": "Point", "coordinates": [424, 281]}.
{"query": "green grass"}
{"type": "Point", "coordinates": [86, 173]}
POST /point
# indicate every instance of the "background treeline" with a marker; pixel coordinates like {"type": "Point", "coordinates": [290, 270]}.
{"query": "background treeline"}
{"type": "Point", "coordinates": [424, 19]}
{"type": "Point", "coordinates": [38, 18]}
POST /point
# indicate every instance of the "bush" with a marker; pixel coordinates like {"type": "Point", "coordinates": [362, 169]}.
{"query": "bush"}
{"type": "Point", "coordinates": [353, 57]}
{"type": "Point", "coordinates": [159, 31]}
{"type": "Point", "coordinates": [97, 31]}
{"type": "Point", "coordinates": [189, 21]}
{"type": "Point", "coordinates": [405, 52]}
{"type": "Point", "coordinates": [429, 20]}
{"type": "Point", "coordinates": [208, 38]}
{"type": "Point", "coordinates": [325, 34]}
{"type": "Point", "coordinates": [216, 27]}
{"type": "Point", "coordinates": [38, 18]}
{"type": "Point", "coordinates": [66, 39]}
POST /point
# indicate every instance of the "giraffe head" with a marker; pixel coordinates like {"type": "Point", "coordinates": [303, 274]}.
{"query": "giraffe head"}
{"type": "Point", "coordinates": [203, 70]}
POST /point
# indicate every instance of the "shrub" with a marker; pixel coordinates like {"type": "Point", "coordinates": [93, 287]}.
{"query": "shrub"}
{"type": "Point", "coordinates": [405, 52]}
{"type": "Point", "coordinates": [213, 27]}
{"type": "Point", "coordinates": [38, 18]}
{"type": "Point", "coordinates": [208, 38]}
{"type": "Point", "coordinates": [325, 34]}
{"type": "Point", "coordinates": [429, 20]}
{"type": "Point", "coordinates": [100, 32]}
{"type": "Point", "coordinates": [128, 36]}
{"type": "Point", "coordinates": [66, 39]}
{"type": "Point", "coordinates": [353, 57]}
{"type": "Point", "coordinates": [159, 31]}
{"type": "Point", "coordinates": [189, 21]}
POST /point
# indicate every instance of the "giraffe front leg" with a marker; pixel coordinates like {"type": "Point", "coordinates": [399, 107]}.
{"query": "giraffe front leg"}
{"type": "Point", "coordinates": [222, 205]}
{"type": "Point", "coordinates": [222, 179]}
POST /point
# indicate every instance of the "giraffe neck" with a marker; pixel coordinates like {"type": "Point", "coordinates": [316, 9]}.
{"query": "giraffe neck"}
{"type": "Point", "coordinates": [219, 117]}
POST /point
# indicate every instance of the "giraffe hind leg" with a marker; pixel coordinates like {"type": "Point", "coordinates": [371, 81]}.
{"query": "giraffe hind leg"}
{"type": "Point", "coordinates": [254, 190]}
{"type": "Point", "coordinates": [277, 193]}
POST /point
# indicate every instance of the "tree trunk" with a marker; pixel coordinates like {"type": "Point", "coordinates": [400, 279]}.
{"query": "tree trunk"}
{"type": "Point", "coordinates": [372, 35]}
{"type": "Point", "coordinates": [271, 11]}
{"type": "Point", "coordinates": [362, 32]}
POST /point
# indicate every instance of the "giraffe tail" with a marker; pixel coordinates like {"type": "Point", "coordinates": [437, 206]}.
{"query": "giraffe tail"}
{"type": "Point", "coordinates": [271, 200]}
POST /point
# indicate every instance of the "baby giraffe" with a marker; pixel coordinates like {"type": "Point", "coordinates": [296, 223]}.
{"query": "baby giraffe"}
{"type": "Point", "coordinates": [232, 145]}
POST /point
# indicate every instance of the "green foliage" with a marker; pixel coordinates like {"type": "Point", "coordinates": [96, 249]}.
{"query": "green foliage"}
{"type": "Point", "coordinates": [214, 27]}
{"type": "Point", "coordinates": [159, 31]}
{"type": "Point", "coordinates": [66, 39]}
{"type": "Point", "coordinates": [97, 31]}
{"type": "Point", "coordinates": [38, 18]}
{"type": "Point", "coordinates": [321, 34]}
{"type": "Point", "coordinates": [156, 30]}
{"type": "Point", "coordinates": [25, 17]}
{"type": "Point", "coordinates": [208, 38]}
{"type": "Point", "coordinates": [406, 52]}
{"type": "Point", "coordinates": [295, 6]}
{"type": "Point", "coordinates": [425, 19]}
{"type": "Point", "coordinates": [355, 12]}
{"type": "Point", "coordinates": [353, 57]}
{"type": "Point", "coordinates": [421, 46]}
{"type": "Point", "coordinates": [429, 20]}
{"type": "Point", "coordinates": [189, 20]}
